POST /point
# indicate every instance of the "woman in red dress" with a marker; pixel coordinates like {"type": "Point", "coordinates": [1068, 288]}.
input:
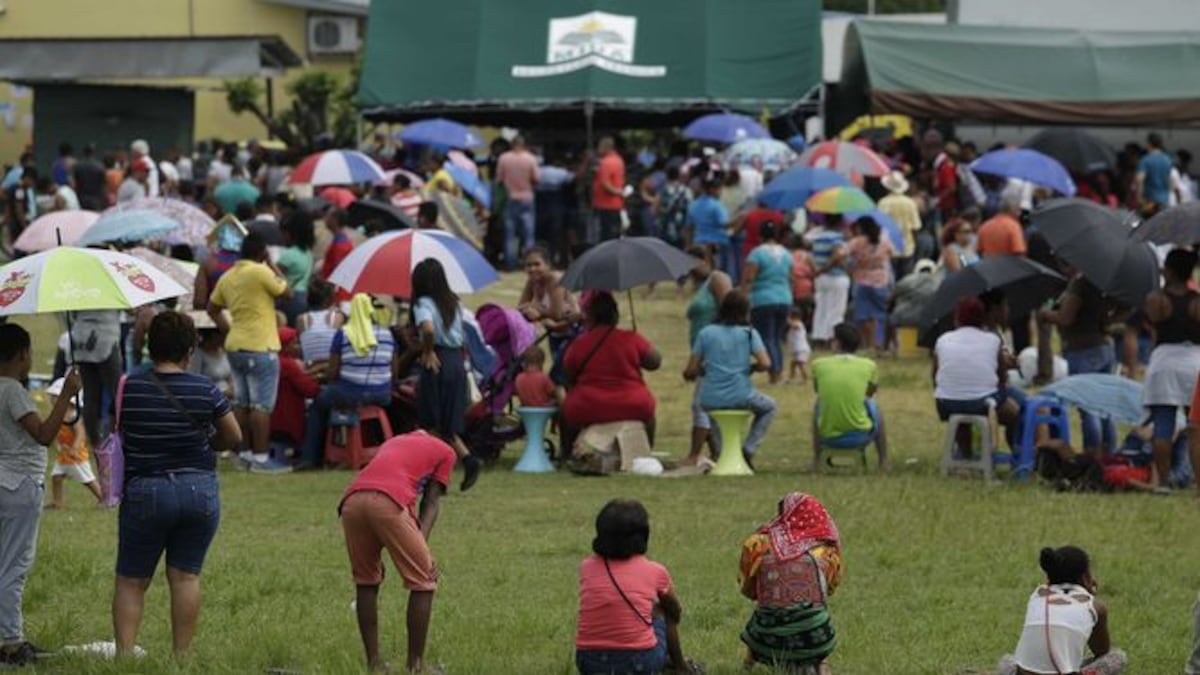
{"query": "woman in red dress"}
{"type": "Point", "coordinates": [604, 374]}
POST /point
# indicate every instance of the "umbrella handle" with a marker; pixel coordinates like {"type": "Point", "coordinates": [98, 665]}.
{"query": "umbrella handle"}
{"type": "Point", "coordinates": [632, 314]}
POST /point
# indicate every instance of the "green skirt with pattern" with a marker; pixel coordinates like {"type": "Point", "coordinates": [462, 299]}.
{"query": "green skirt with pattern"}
{"type": "Point", "coordinates": [793, 635]}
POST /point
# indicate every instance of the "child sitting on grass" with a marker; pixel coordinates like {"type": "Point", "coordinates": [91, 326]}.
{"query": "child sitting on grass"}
{"type": "Point", "coordinates": [797, 339]}
{"type": "Point", "coordinates": [628, 613]}
{"type": "Point", "coordinates": [1063, 617]}
{"type": "Point", "coordinates": [72, 459]}
{"type": "Point", "coordinates": [24, 436]}
{"type": "Point", "coordinates": [534, 387]}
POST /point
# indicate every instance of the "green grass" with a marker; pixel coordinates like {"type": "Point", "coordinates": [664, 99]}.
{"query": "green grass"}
{"type": "Point", "coordinates": [937, 575]}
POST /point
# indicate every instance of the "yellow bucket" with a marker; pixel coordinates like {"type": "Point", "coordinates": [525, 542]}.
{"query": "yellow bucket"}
{"type": "Point", "coordinates": [906, 342]}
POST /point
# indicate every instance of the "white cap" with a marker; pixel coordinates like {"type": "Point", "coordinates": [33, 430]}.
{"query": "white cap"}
{"type": "Point", "coordinates": [140, 146]}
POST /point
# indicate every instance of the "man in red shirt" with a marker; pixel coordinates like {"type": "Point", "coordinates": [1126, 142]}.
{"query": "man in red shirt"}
{"type": "Point", "coordinates": [608, 190]}
{"type": "Point", "coordinates": [1002, 234]}
{"type": "Point", "coordinates": [750, 226]}
{"type": "Point", "coordinates": [945, 180]}
{"type": "Point", "coordinates": [379, 511]}
{"type": "Point", "coordinates": [340, 246]}
{"type": "Point", "coordinates": [517, 170]}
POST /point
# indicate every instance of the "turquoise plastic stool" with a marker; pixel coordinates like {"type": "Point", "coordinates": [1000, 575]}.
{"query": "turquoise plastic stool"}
{"type": "Point", "coordinates": [733, 425]}
{"type": "Point", "coordinates": [534, 459]}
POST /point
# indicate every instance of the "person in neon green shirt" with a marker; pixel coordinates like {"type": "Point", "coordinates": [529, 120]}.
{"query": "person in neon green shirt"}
{"type": "Point", "coordinates": [846, 414]}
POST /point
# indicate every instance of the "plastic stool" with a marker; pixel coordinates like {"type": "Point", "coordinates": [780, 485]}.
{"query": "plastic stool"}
{"type": "Point", "coordinates": [1048, 410]}
{"type": "Point", "coordinates": [733, 425]}
{"type": "Point", "coordinates": [983, 462]}
{"type": "Point", "coordinates": [350, 449]}
{"type": "Point", "coordinates": [828, 452]}
{"type": "Point", "coordinates": [534, 459]}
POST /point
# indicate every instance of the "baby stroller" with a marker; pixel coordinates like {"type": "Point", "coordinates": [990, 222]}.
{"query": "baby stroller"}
{"type": "Point", "coordinates": [491, 423]}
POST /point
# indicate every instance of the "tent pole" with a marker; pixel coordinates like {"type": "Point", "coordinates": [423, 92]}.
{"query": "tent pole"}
{"type": "Point", "coordinates": [589, 114]}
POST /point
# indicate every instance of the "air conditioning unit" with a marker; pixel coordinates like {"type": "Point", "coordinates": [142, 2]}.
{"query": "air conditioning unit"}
{"type": "Point", "coordinates": [332, 34]}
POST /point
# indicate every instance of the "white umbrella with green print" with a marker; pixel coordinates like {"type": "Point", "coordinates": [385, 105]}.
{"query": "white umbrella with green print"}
{"type": "Point", "coordinates": [69, 279]}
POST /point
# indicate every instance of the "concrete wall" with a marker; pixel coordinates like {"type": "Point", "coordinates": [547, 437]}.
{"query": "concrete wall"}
{"type": "Point", "coordinates": [158, 18]}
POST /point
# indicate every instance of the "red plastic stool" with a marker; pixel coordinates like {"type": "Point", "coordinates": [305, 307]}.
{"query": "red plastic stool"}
{"type": "Point", "coordinates": [344, 442]}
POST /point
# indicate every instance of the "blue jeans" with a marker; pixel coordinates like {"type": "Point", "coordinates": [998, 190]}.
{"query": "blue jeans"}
{"type": "Point", "coordinates": [852, 439]}
{"type": "Point", "coordinates": [624, 661]}
{"type": "Point", "coordinates": [20, 513]}
{"type": "Point", "coordinates": [763, 408]}
{"type": "Point", "coordinates": [177, 513]}
{"type": "Point", "coordinates": [255, 379]}
{"type": "Point", "coordinates": [519, 218]}
{"type": "Point", "coordinates": [771, 322]}
{"type": "Point", "coordinates": [333, 395]}
{"type": "Point", "coordinates": [1098, 359]}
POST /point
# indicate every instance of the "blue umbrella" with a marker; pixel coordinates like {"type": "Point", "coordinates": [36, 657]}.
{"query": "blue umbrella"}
{"type": "Point", "coordinates": [1026, 164]}
{"type": "Point", "coordinates": [440, 132]}
{"type": "Point", "coordinates": [724, 128]}
{"type": "Point", "coordinates": [127, 226]}
{"type": "Point", "coordinates": [885, 223]}
{"type": "Point", "coordinates": [470, 184]}
{"type": "Point", "coordinates": [1102, 394]}
{"type": "Point", "coordinates": [792, 188]}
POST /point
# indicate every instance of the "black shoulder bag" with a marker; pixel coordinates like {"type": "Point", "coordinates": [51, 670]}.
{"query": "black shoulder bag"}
{"type": "Point", "coordinates": [205, 430]}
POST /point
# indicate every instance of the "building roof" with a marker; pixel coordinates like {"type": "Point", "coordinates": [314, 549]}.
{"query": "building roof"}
{"type": "Point", "coordinates": [144, 58]}
{"type": "Point", "coordinates": [352, 7]}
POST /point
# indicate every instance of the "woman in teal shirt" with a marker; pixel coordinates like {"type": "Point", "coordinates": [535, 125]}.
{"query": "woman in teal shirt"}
{"type": "Point", "coordinates": [712, 285]}
{"type": "Point", "coordinates": [296, 262]}
{"type": "Point", "coordinates": [768, 281]}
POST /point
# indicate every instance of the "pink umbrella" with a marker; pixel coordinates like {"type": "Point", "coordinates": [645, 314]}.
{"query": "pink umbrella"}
{"type": "Point", "coordinates": [42, 234]}
{"type": "Point", "coordinates": [338, 196]}
{"type": "Point", "coordinates": [389, 178]}
{"type": "Point", "coordinates": [459, 159]}
{"type": "Point", "coordinates": [845, 158]}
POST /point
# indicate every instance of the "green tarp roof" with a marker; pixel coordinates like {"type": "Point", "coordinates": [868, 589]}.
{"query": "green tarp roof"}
{"type": "Point", "coordinates": [464, 58]}
{"type": "Point", "coordinates": [1021, 75]}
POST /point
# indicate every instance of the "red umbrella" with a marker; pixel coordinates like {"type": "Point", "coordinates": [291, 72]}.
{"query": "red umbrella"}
{"type": "Point", "coordinates": [845, 158]}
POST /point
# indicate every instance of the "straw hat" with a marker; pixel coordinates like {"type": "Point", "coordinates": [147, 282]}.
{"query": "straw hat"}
{"type": "Point", "coordinates": [895, 182]}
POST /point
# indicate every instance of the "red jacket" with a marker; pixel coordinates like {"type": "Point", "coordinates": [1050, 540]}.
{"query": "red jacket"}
{"type": "Point", "coordinates": [295, 385]}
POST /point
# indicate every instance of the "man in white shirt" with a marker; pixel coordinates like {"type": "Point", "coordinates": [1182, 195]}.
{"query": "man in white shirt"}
{"type": "Point", "coordinates": [750, 178]}
{"type": "Point", "coordinates": [139, 149]}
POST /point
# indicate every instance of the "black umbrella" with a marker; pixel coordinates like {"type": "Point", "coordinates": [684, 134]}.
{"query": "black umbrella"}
{"type": "Point", "coordinates": [267, 229]}
{"type": "Point", "coordinates": [1179, 225]}
{"type": "Point", "coordinates": [1094, 239]}
{"type": "Point", "coordinates": [622, 264]}
{"type": "Point", "coordinates": [379, 216]}
{"type": "Point", "coordinates": [1079, 151]}
{"type": "Point", "coordinates": [1026, 285]}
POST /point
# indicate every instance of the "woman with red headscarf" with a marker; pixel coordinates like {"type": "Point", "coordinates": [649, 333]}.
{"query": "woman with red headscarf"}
{"type": "Point", "coordinates": [790, 567]}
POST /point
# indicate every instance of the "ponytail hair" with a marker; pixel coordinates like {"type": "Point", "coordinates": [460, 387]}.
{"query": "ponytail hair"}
{"type": "Point", "coordinates": [1066, 565]}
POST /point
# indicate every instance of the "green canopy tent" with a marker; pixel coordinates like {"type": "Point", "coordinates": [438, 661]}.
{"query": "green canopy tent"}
{"type": "Point", "coordinates": [1020, 75]}
{"type": "Point", "coordinates": [557, 61]}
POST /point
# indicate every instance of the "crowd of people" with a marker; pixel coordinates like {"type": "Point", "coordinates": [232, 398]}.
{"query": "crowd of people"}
{"type": "Point", "coordinates": [268, 351]}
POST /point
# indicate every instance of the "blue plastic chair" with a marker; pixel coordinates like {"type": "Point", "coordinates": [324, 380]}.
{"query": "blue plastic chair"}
{"type": "Point", "coordinates": [1048, 410]}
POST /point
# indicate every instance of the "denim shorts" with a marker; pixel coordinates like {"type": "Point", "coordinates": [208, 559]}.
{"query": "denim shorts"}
{"type": "Point", "coordinates": [255, 379]}
{"type": "Point", "coordinates": [176, 513]}
{"type": "Point", "coordinates": [852, 439]}
{"type": "Point", "coordinates": [622, 661]}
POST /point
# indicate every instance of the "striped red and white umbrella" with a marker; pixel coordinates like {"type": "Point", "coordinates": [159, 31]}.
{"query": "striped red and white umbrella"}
{"type": "Point", "coordinates": [336, 167]}
{"type": "Point", "coordinates": [389, 179]}
{"type": "Point", "coordinates": [384, 263]}
{"type": "Point", "coordinates": [845, 158]}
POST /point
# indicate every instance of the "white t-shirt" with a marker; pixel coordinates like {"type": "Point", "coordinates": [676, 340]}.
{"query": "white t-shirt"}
{"type": "Point", "coordinates": [968, 360]}
{"type": "Point", "coordinates": [1055, 635]}
{"type": "Point", "coordinates": [750, 180]}
{"type": "Point", "coordinates": [220, 172]}
{"type": "Point", "coordinates": [184, 167]}
{"type": "Point", "coordinates": [152, 186]}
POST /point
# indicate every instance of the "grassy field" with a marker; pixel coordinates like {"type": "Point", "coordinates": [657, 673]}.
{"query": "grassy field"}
{"type": "Point", "coordinates": [938, 570]}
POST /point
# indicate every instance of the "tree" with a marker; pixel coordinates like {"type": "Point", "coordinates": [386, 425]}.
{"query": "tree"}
{"type": "Point", "coordinates": [321, 105]}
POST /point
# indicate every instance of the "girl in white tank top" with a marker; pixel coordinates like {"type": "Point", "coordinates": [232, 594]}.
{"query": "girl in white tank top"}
{"type": "Point", "coordinates": [1063, 619]}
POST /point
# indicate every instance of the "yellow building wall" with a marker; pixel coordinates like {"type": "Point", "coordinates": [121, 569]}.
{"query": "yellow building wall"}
{"type": "Point", "coordinates": [159, 18]}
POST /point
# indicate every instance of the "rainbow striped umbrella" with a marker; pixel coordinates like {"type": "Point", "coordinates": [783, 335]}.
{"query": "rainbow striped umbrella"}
{"type": "Point", "coordinates": [842, 199]}
{"type": "Point", "coordinates": [383, 264]}
{"type": "Point", "coordinates": [337, 167]}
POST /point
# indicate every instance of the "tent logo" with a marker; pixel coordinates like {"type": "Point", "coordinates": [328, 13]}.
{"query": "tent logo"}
{"type": "Point", "coordinates": [597, 39]}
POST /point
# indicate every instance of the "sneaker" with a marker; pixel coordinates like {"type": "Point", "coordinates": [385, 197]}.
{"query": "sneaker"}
{"type": "Point", "coordinates": [270, 467]}
{"type": "Point", "coordinates": [471, 469]}
{"type": "Point", "coordinates": [23, 654]}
